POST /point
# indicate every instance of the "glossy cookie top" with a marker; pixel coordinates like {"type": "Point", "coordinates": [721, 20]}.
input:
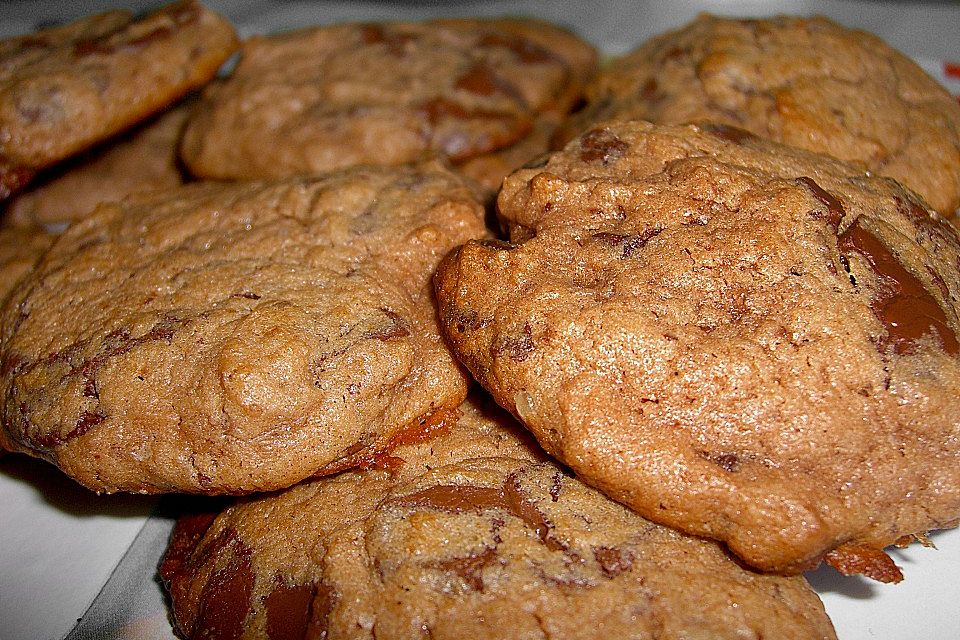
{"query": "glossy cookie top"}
{"type": "Point", "coordinates": [469, 537]}
{"type": "Point", "coordinates": [233, 338]}
{"type": "Point", "coordinates": [742, 340]}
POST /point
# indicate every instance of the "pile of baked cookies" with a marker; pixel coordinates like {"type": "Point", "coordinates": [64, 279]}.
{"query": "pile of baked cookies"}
{"type": "Point", "coordinates": [717, 291]}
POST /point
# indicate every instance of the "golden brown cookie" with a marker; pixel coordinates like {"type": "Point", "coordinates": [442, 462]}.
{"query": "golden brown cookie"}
{"type": "Point", "coordinates": [144, 159]}
{"type": "Point", "coordinates": [234, 338]}
{"type": "Point", "coordinates": [335, 96]}
{"type": "Point", "coordinates": [67, 88]}
{"type": "Point", "coordinates": [742, 340]}
{"type": "Point", "coordinates": [807, 82]}
{"type": "Point", "coordinates": [471, 537]}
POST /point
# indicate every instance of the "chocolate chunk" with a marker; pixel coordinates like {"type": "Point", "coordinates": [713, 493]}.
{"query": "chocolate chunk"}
{"type": "Point", "coordinates": [225, 599]}
{"type": "Point", "coordinates": [396, 329]}
{"type": "Point", "coordinates": [482, 81]}
{"type": "Point", "coordinates": [602, 145]}
{"type": "Point", "coordinates": [288, 610]}
{"type": "Point", "coordinates": [835, 211]}
{"type": "Point", "coordinates": [471, 567]}
{"type": "Point", "coordinates": [629, 243]}
{"type": "Point", "coordinates": [466, 498]}
{"type": "Point", "coordinates": [87, 421]}
{"type": "Point", "coordinates": [900, 302]}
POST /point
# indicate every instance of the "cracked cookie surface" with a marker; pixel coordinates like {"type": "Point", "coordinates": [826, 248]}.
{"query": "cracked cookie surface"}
{"type": "Point", "coordinates": [739, 339]}
{"type": "Point", "coordinates": [806, 82]}
{"type": "Point", "coordinates": [234, 338]}
{"type": "Point", "coordinates": [64, 89]}
{"type": "Point", "coordinates": [336, 96]}
{"type": "Point", "coordinates": [472, 535]}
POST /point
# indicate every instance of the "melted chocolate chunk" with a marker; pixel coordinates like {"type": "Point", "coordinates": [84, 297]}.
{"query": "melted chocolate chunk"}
{"type": "Point", "coordinates": [118, 342]}
{"type": "Point", "coordinates": [225, 599]}
{"type": "Point", "coordinates": [458, 147]}
{"type": "Point", "coordinates": [602, 145]}
{"type": "Point", "coordinates": [900, 301]}
{"type": "Point", "coordinates": [396, 329]}
{"type": "Point", "coordinates": [629, 243]}
{"type": "Point", "coordinates": [470, 568]}
{"type": "Point", "coordinates": [288, 610]}
{"type": "Point", "coordinates": [87, 421]}
{"type": "Point", "coordinates": [465, 498]}
{"type": "Point", "coordinates": [482, 81]}
{"type": "Point", "coordinates": [835, 211]}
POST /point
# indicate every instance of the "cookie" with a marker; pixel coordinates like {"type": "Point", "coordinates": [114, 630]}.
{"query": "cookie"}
{"type": "Point", "coordinates": [65, 89]}
{"type": "Point", "coordinates": [469, 538]}
{"type": "Point", "coordinates": [739, 339]}
{"type": "Point", "coordinates": [343, 95]}
{"type": "Point", "coordinates": [144, 159]}
{"type": "Point", "coordinates": [20, 250]}
{"type": "Point", "coordinates": [806, 82]}
{"type": "Point", "coordinates": [234, 338]}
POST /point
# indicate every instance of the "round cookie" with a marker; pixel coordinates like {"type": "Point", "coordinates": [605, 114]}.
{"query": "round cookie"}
{"type": "Point", "coordinates": [470, 538]}
{"type": "Point", "coordinates": [335, 96]}
{"type": "Point", "coordinates": [67, 88]}
{"type": "Point", "coordinates": [235, 338]}
{"type": "Point", "coordinates": [742, 340]}
{"type": "Point", "coordinates": [806, 82]}
{"type": "Point", "coordinates": [144, 159]}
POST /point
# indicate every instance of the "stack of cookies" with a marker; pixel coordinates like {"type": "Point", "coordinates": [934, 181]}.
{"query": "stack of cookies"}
{"type": "Point", "coordinates": [715, 332]}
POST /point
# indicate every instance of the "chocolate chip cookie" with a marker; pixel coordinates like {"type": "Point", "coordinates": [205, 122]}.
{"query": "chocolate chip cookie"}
{"type": "Point", "coordinates": [233, 338]}
{"type": "Point", "coordinates": [469, 538]}
{"type": "Point", "coordinates": [65, 89]}
{"type": "Point", "coordinates": [742, 340]}
{"type": "Point", "coordinates": [336, 96]}
{"type": "Point", "coordinates": [144, 159]}
{"type": "Point", "coordinates": [807, 82]}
